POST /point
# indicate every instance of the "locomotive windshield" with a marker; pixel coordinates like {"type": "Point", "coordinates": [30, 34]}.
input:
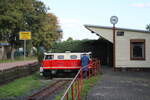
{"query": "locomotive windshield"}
{"type": "Point", "coordinates": [49, 57]}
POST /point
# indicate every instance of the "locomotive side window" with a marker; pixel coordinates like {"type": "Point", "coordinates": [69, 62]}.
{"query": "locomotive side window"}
{"type": "Point", "coordinates": [60, 57]}
{"type": "Point", "coordinates": [49, 57]}
{"type": "Point", "coordinates": [73, 57]}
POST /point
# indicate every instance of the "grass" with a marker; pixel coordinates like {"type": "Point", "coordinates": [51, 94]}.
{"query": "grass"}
{"type": "Point", "coordinates": [18, 59]}
{"type": "Point", "coordinates": [20, 86]}
{"type": "Point", "coordinates": [88, 84]}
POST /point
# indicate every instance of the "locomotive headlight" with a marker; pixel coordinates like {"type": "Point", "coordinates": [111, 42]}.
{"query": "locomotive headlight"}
{"type": "Point", "coordinates": [53, 71]}
{"type": "Point", "coordinates": [41, 69]}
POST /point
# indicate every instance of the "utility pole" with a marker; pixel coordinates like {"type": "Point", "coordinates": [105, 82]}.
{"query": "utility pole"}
{"type": "Point", "coordinates": [114, 20]}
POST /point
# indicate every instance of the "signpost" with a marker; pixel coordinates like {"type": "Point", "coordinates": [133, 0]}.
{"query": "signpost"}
{"type": "Point", "coordinates": [114, 20]}
{"type": "Point", "coordinates": [25, 36]}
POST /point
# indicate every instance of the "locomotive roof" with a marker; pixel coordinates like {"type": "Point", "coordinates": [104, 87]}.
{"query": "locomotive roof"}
{"type": "Point", "coordinates": [46, 53]}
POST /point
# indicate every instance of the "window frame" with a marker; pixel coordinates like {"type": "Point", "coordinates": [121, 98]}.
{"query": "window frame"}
{"type": "Point", "coordinates": [73, 58]}
{"type": "Point", "coordinates": [61, 58]}
{"type": "Point", "coordinates": [52, 56]}
{"type": "Point", "coordinates": [131, 49]}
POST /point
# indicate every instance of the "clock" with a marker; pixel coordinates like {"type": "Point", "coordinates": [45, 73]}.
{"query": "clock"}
{"type": "Point", "coordinates": [113, 20]}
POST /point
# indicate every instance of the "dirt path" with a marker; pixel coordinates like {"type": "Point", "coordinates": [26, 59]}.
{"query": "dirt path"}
{"type": "Point", "coordinates": [4, 66]}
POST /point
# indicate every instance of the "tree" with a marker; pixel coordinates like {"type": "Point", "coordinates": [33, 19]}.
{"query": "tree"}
{"type": "Point", "coordinates": [148, 27]}
{"type": "Point", "coordinates": [70, 39]}
{"type": "Point", "coordinates": [48, 33]}
{"type": "Point", "coordinates": [27, 15]}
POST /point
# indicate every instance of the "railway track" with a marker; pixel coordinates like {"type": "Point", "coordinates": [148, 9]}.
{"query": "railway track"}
{"type": "Point", "coordinates": [49, 90]}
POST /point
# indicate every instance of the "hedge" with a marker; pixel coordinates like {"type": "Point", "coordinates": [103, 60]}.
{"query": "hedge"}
{"type": "Point", "coordinates": [97, 47]}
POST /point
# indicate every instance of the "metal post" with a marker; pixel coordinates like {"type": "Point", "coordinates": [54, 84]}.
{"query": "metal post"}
{"type": "Point", "coordinates": [95, 71]}
{"type": "Point", "coordinates": [78, 89]}
{"type": "Point", "coordinates": [114, 56]}
{"type": "Point", "coordinates": [89, 72]}
{"type": "Point", "coordinates": [24, 49]}
{"type": "Point", "coordinates": [114, 20]}
{"type": "Point", "coordinates": [99, 64]}
{"type": "Point", "coordinates": [81, 79]}
{"type": "Point", "coordinates": [67, 96]}
{"type": "Point", "coordinates": [72, 92]}
{"type": "Point", "coordinates": [80, 76]}
{"type": "Point", "coordinates": [92, 71]}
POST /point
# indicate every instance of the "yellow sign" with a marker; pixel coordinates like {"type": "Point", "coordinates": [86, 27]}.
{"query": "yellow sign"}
{"type": "Point", "coordinates": [24, 35]}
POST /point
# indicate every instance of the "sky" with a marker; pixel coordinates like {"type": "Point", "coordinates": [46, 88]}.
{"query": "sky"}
{"type": "Point", "coordinates": [74, 14]}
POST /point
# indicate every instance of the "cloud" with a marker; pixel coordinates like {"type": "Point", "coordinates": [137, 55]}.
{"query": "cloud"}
{"type": "Point", "coordinates": [141, 5]}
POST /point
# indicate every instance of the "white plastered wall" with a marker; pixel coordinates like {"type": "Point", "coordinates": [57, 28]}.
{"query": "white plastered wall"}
{"type": "Point", "coordinates": [123, 50]}
{"type": "Point", "coordinates": [123, 47]}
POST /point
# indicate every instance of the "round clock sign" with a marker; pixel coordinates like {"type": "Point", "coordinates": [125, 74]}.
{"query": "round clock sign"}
{"type": "Point", "coordinates": [114, 20]}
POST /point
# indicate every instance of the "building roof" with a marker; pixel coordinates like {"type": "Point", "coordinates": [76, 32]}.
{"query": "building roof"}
{"type": "Point", "coordinates": [117, 28]}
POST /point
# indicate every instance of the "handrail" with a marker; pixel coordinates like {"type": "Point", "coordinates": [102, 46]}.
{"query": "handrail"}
{"type": "Point", "coordinates": [72, 83]}
{"type": "Point", "coordinates": [92, 66]}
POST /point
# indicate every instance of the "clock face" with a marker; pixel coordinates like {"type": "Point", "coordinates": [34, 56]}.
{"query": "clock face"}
{"type": "Point", "coordinates": [114, 19]}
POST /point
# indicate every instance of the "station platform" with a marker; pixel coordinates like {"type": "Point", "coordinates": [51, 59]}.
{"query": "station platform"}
{"type": "Point", "coordinates": [121, 86]}
{"type": "Point", "coordinates": [5, 66]}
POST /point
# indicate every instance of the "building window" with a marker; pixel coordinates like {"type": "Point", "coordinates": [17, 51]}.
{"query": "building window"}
{"type": "Point", "coordinates": [137, 49]}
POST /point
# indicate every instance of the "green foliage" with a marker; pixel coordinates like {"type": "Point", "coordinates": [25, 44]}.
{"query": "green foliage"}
{"type": "Point", "coordinates": [27, 15]}
{"type": "Point", "coordinates": [19, 87]}
{"type": "Point", "coordinates": [148, 27]}
{"type": "Point", "coordinates": [21, 58]}
{"type": "Point", "coordinates": [70, 39]}
{"type": "Point", "coordinates": [88, 84]}
{"type": "Point", "coordinates": [23, 86]}
{"type": "Point", "coordinates": [73, 46]}
{"type": "Point", "coordinates": [100, 48]}
{"type": "Point", "coordinates": [79, 46]}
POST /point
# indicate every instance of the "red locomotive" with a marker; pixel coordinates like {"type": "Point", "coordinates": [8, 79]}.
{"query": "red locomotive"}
{"type": "Point", "coordinates": [60, 62]}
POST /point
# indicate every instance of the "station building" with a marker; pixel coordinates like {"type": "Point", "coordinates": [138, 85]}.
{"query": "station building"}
{"type": "Point", "coordinates": [3, 48]}
{"type": "Point", "coordinates": [132, 46]}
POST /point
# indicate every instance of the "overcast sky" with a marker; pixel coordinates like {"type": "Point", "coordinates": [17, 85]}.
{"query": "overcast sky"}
{"type": "Point", "coordinates": [73, 14]}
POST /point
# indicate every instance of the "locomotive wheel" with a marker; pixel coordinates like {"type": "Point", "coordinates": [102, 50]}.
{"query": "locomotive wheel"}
{"type": "Point", "coordinates": [47, 74]}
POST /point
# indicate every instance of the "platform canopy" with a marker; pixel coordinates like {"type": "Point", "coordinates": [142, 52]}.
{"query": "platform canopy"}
{"type": "Point", "coordinates": [106, 32]}
{"type": "Point", "coordinates": [101, 31]}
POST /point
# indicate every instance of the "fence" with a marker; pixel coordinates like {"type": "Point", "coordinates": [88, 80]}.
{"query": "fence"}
{"type": "Point", "coordinates": [10, 74]}
{"type": "Point", "coordinates": [75, 88]}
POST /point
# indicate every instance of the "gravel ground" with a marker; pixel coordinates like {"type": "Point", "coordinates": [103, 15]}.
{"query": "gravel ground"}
{"type": "Point", "coordinates": [121, 86]}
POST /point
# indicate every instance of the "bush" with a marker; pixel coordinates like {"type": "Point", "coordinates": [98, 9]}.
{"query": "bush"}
{"type": "Point", "coordinates": [98, 48]}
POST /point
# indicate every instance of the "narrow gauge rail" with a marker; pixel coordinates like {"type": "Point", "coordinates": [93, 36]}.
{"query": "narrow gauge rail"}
{"type": "Point", "coordinates": [49, 90]}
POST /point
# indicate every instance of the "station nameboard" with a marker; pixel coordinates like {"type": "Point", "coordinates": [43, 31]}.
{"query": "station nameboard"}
{"type": "Point", "coordinates": [24, 35]}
